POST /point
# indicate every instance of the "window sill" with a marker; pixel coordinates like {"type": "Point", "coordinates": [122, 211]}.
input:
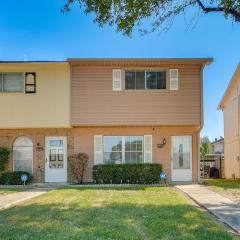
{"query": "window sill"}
{"type": "Point", "coordinates": [148, 90]}
{"type": "Point", "coordinates": [12, 93]}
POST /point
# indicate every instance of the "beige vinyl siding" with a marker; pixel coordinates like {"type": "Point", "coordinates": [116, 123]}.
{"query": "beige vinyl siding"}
{"type": "Point", "coordinates": [48, 107]}
{"type": "Point", "coordinates": [95, 103]}
{"type": "Point", "coordinates": [231, 116]}
{"type": "Point", "coordinates": [231, 135]}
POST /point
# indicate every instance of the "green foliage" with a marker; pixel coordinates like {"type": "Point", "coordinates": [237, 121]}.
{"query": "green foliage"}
{"type": "Point", "coordinates": [127, 14]}
{"type": "Point", "coordinates": [206, 147]}
{"type": "Point", "coordinates": [127, 173]}
{"type": "Point", "coordinates": [4, 156]}
{"type": "Point", "coordinates": [14, 178]}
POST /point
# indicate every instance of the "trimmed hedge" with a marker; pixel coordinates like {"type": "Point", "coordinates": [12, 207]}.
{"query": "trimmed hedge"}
{"type": "Point", "coordinates": [14, 178]}
{"type": "Point", "coordinates": [127, 173]}
{"type": "Point", "coordinates": [4, 156]}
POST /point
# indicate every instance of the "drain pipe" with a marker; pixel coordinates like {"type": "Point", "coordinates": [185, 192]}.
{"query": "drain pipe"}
{"type": "Point", "coordinates": [202, 120]}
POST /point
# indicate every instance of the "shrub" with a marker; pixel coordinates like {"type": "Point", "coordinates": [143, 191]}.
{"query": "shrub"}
{"type": "Point", "coordinates": [127, 173]}
{"type": "Point", "coordinates": [4, 154]}
{"type": "Point", "coordinates": [78, 163]}
{"type": "Point", "coordinates": [14, 178]}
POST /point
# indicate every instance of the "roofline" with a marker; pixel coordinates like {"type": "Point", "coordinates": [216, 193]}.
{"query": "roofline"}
{"type": "Point", "coordinates": [33, 61]}
{"type": "Point", "coordinates": [231, 83]}
{"type": "Point", "coordinates": [218, 141]}
{"type": "Point", "coordinates": [204, 61]}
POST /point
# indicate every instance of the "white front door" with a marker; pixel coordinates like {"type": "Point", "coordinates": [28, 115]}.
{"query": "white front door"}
{"type": "Point", "coordinates": [181, 158]}
{"type": "Point", "coordinates": [56, 159]}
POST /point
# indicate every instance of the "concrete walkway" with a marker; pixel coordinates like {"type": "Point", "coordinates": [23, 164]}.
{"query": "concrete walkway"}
{"type": "Point", "coordinates": [12, 199]}
{"type": "Point", "coordinates": [223, 208]}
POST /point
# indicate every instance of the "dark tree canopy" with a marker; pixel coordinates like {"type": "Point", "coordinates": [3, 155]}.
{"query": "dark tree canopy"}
{"type": "Point", "coordinates": [126, 14]}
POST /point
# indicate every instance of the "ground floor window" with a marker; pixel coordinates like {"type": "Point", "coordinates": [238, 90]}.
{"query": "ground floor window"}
{"type": "Point", "coordinates": [23, 154]}
{"type": "Point", "coordinates": [122, 149]}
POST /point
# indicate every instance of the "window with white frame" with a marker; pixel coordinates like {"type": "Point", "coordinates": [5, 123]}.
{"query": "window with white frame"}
{"type": "Point", "coordinates": [12, 82]}
{"type": "Point", "coordinates": [135, 80]}
{"type": "Point", "coordinates": [23, 154]}
{"type": "Point", "coordinates": [133, 149]}
{"type": "Point", "coordinates": [112, 149]}
{"type": "Point", "coordinates": [141, 80]}
{"type": "Point", "coordinates": [122, 149]}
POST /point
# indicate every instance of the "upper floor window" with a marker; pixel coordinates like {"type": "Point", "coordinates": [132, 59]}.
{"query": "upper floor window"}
{"type": "Point", "coordinates": [145, 80]}
{"type": "Point", "coordinates": [11, 82]}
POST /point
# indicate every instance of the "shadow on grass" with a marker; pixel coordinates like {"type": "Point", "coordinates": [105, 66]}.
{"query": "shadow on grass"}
{"type": "Point", "coordinates": [107, 221]}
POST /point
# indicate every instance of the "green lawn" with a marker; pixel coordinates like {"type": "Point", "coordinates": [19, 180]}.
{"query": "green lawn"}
{"type": "Point", "coordinates": [226, 186]}
{"type": "Point", "coordinates": [130, 213]}
{"type": "Point", "coordinates": [4, 191]}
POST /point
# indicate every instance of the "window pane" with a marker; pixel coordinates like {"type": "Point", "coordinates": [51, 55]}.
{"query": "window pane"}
{"type": "Point", "coordinates": [23, 154]}
{"type": "Point", "coordinates": [12, 82]}
{"type": "Point", "coordinates": [133, 146]}
{"type": "Point", "coordinates": [22, 165]}
{"type": "Point", "coordinates": [181, 155]}
{"type": "Point", "coordinates": [133, 149]}
{"type": "Point", "coordinates": [129, 80]}
{"type": "Point", "coordinates": [161, 80]}
{"type": "Point", "coordinates": [112, 144]}
{"type": "Point", "coordinates": [127, 157]}
{"type": "Point", "coordinates": [112, 157]}
{"type": "Point", "coordinates": [127, 143]}
{"type": "Point", "coordinates": [140, 145]}
{"type": "Point", "coordinates": [133, 157]}
{"type": "Point", "coordinates": [140, 80]}
{"type": "Point", "coordinates": [56, 143]}
{"type": "Point", "coordinates": [151, 80]}
{"type": "Point", "coordinates": [139, 157]}
{"type": "Point", "coordinates": [112, 149]}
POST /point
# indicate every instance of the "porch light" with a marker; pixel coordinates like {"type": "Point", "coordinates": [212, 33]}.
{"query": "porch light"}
{"type": "Point", "coordinates": [161, 145]}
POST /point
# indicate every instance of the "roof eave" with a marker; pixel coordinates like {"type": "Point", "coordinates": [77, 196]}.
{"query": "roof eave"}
{"type": "Point", "coordinates": [232, 81]}
{"type": "Point", "coordinates": [205, 61]}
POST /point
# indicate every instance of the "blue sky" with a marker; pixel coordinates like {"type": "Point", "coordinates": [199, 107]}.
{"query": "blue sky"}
{"type": "Point", "coordinates": [37, 30]}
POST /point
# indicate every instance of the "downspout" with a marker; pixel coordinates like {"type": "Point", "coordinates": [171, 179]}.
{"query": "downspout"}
{"type": "Point", "coordinates": [238, 109]}
{"type": "Point", "coordinates": [201, 118]}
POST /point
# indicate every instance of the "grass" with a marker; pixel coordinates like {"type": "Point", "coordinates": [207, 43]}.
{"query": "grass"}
{"type": "Point", "coordinates": [226, 186]}
{"type": "Point", "coordinates": [104, 213]}
{"type": "Point", "coordinates": [5, 191]}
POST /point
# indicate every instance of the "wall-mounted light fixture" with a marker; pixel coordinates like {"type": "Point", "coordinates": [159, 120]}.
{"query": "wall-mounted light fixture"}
{"type": "Point", "coordinates": [161, 145]}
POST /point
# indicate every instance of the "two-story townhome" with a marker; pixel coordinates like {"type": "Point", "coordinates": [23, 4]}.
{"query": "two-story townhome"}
{"type": "Point", "coordinates": [115, 110]}
{"type": "Point", "coordinates": [230, 105]}
{"type": "Point", "coordinates": [35, 116]}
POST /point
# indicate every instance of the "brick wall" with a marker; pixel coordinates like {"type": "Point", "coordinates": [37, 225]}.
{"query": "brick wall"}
{"type": "Point", "coordinates": [84, 142]}
{"type": "Point", "coordinates": [8, 136]}
{"type": "Point", "coordinates": [81, 139]}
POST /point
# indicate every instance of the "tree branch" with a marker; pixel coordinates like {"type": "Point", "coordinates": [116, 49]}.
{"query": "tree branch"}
{"type": "Point", "coordinates": [230, 11]}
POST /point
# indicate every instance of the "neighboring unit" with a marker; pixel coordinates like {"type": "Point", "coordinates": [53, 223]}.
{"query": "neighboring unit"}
{"type": "Point", "coordinates": [218, 146]}
{"type": "Point", "coordinates": [35, 105]}
{"type": "Point", "coordinates": [115, 110]}
{"type": "Point", "coordinates": [230, 105]}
